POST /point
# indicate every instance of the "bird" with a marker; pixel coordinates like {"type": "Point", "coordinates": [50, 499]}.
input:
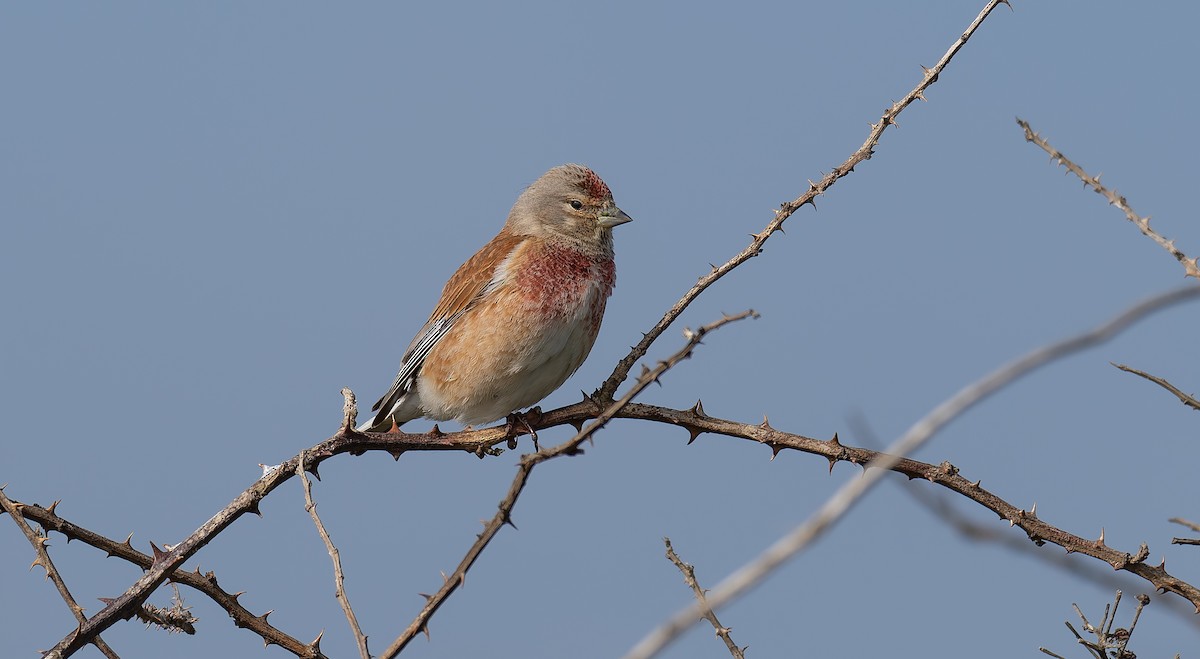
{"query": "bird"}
{"type": "Point", "coordinates": [520, 316]}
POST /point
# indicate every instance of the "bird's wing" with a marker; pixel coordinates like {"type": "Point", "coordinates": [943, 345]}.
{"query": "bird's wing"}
{"type": "Point", "coordinates": [481, 274]}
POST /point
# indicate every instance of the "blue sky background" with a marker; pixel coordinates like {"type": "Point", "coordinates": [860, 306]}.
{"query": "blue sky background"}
{"type": "Point", "coordinates": [214, 216]}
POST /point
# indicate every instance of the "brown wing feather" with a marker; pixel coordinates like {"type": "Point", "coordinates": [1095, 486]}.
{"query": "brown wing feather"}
{"type": "Point", "coordinates": [464, 288]}
{"type": "Point", "coordinates": [473, 276]}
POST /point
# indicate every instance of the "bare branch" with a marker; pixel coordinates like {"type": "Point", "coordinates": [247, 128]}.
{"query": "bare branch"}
{"type": "Point", "coordinates": [1184, 398]}
{"type": "Point", "coordinates": [339, 577]}
{"type": "Point", "coordinates": [689, 578]}
{"type": "Point", "coordinates": [206, 583]}
{"type": "Point", "coordinates": [787, 208]}
{"type": "Point", "coordinates": [1191, 267]}
{"type": "Point", "coordinates": [755, 571]}
{"type": "Point", "coordinates": [525, 467]}
{"type": "Point", "coordinates": [39, 542]}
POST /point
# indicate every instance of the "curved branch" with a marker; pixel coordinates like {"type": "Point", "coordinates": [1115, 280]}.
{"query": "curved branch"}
{"type": "Point", "coordinates": [836, 506]}
{"type": "Point", "coordinates": [788, 208]}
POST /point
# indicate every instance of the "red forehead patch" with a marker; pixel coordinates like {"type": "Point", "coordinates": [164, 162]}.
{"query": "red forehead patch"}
{"type": "Point", "coordinates": [594, 185]}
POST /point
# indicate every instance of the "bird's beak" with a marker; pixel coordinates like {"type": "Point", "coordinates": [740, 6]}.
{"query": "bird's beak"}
{"type": "Point", "coordinates": [611, 217]}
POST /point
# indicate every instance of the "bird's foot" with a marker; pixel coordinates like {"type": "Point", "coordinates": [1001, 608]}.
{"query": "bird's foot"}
{"type": "Point", "coordinates": [517, 423]}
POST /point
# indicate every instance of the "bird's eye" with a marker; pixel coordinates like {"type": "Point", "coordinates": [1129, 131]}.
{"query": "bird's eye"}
{"type": "Point", "coordinates": [576, 204]}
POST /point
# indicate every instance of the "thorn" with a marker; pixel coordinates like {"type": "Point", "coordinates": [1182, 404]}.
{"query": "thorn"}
{"type": "Point", "coordinates": [263, 617]}
{"type": "Point", "coordinates": [316, 642]}
{"type": "Point", "coordinates": [766, 424]}
{"type": "Point", "coordinates": [693, 433]}
{"type": "Point", "coordinates": [1100, 540]}
{"type": "Point", "coordinates": [436, 431]}
{"type": "Point", "coordinates": [775, 449]}
{"type": "Point", "coordinates": [396, 454]}
{"type": "Point", "coordinates": [1033, 510]}
{"type": "Point", "coordinates": [425, 628]}
{"type": "Point", "coordinates": [238, 594]}
{"type": "Point", "coordinates": [832, 461]}
{"type": "Point", "coordinates": [158, 553]}
{"type": "Point", "coordinates": [427, 596]}
{"type": "Point", "coordinates": [53, 506]}
{"type": "Point", "coordinates": [834, 441]}
{"type": "Point", "coordinates": [698, 409]}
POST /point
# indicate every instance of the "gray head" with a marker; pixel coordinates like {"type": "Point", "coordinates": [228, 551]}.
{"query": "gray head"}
{"type": "Point", "coordinates": [571, 203]}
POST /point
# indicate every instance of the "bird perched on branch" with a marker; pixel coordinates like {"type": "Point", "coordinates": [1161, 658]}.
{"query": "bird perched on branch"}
{"type": "Point", "coordinates": [519, 316]}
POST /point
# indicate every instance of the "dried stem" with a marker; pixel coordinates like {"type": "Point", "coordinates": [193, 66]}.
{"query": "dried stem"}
{"type": "Point", "coordinates": [1191, 267]}
{"type": "Point", "coordinates": [756, 570]}
{"type": "Point", "coordinates": [339, 577]}
{"type": "Point", "coordinates": [689, 578]}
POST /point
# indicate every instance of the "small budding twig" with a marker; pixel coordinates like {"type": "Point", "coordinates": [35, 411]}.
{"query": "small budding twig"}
{"type": "Point", "coordinates": [339, 577]}
{"type": "Point", "coordinates": [1191, 267]}
{"type": "Point", "coordinates": [1184, 398]}
{"type": "Point", "coordinates": [689, 578]}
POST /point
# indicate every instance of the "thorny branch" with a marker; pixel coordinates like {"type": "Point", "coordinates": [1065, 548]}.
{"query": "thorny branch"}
{"type": "Point", "coordinates": [206, 583]}
{"type": "Point", "coordinates": [164, 565]}
{"type": "Point", "coordinates": [836, 506]}
{"type": "Point", "coordinates": [787, 208]}
{"type": "Point", "coordinates": [525, 468]}
{"type": "Point", "coordinates": [689, 578]}
{"type": "Point", "coordinates": [1191, 267]}
{"type": "Point", "coordinates": [480, 442]}
{"type": "Point", "coordinates": [39, 542]}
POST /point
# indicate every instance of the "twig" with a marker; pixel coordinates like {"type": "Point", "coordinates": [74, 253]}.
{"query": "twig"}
{"type": "Point", "coordinates": [756, 570]}
{"type": "Point", "coordinates": [43, 559]}
{"type": "Point", "coordinates": [571, 447]}
{"type": "Point", "coordinates": [1183, 522]}
{"type": "Point", "coordinates": [206, 583]}
{"type": "Point", "coordinates": [689, 578]}
{"type": "Point", "coordinates": [788, 208]}
{"type": "Point", "coordinates": [1184, 398]}
{"type": "Point", "coordinates": [1108, 642]}
{"type": "Point", "coordinates": [339, 577]}
{"type": "Point", "coordinates": [1191, 267]}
